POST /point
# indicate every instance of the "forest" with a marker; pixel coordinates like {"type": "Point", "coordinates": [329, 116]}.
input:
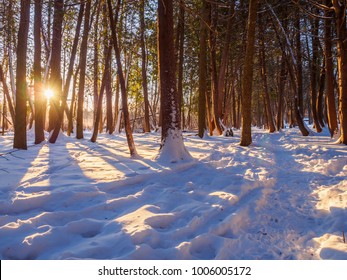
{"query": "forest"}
{"type": "Point", "coordinates": [173, 129]}
{"type": "Point", "coordinates": [234, 64]}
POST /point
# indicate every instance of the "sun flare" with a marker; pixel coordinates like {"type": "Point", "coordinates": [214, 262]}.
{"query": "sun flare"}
{"type": "Point", "coordinates": [49, 93]}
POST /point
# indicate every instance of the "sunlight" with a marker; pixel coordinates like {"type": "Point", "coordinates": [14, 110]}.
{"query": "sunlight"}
{"type": "Point", "coordinates": [49, 93]}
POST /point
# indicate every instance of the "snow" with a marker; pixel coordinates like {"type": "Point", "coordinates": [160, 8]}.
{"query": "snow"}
{"type": "Point", "coordinates": [284, 197]}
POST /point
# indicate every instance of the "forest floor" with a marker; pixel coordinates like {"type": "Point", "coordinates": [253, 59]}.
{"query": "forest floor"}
{"type": "Point", "coordinates": [284, 197]}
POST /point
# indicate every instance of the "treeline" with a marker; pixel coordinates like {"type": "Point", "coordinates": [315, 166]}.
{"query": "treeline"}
{"type": "Point", "coordinates": [214, 66]}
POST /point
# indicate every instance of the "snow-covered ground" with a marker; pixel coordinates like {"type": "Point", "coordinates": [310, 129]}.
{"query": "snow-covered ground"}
{"type": "Point", "coordinates": [284, 197]}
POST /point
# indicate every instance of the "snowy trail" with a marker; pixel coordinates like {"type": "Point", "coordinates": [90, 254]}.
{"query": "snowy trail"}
{"type": "Point", "coordinates": [284, 197]}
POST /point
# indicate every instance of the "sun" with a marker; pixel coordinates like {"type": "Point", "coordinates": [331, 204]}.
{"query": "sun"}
{"type": "Point", "coordinates": [49, 93]}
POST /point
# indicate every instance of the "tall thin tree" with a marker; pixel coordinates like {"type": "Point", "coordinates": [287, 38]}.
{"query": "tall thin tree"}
{"type": "Point", "coordinates": [20, 137]}
{"type": "Point", "coordinates": [39, 100]}
{"type": "Point", "coordinates": [246, 134]}
{"type": "Point", "coordinates": [172, 147]}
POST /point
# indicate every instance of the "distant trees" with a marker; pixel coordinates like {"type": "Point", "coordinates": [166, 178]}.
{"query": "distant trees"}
{"type": "Point", "coordinates": [274, 68]}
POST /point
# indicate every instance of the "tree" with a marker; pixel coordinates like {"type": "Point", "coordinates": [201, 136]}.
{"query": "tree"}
{"type": "Point", "coordinates": [203, 70]}
{"type": "Point", "coordinates": [246, 135]}
{"type": "Point", "coordinates": [83, 65]}
{"type": "Point", "coordinates": [39, 99]}
{"type": "Point", "coordinates": [172, 147]}
{"type": "Point", "coordinates": [66, 88]}
{"type": "Point", "coordinates": [314, 73]}
{"type": "Point", "coordinates": [147, 127]}
{"type": "Point", "coordinates": [341, 30]}
{"type": "Point", "coordinates": [329, 69]}
{"type": "Point", "coordinates": [263, 73]}
{"type": "Point", "coordinates": [55, 81]}
{"type": "Point", "coordinates": [113, 22]}
{"type": "Point", "coordinates": [20, 138]}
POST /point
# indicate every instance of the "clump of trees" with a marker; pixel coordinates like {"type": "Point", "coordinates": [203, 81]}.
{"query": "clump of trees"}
{"type": "Point", "coordinates": [210, 66]}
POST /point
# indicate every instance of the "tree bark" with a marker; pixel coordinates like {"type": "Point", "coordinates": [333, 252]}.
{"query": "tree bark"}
{"type": "Point", "coordinates": [20, 137]}
{"type": "Point", "coordinates": [147, 127]}
{"type": "Point", "coordinates": [55, 81]}
{"type": "Point", "coordinates": [63, 105]}
{"type": "Point", "coordinates": [202, 69]}
{"type": "Point", "coordinates": [214, 75]}
{"type": "Point", "coordinates": [341, 30]}
{"type": "Point", "coordinates": [263, 73]}
{"type": "Point", "coordinates": [83, 65]}
{"type": "Point", "coordinates": [113, 23]}
{"type": "Point", "coordinates": [224, 63]}
{"type": "Point", "coordinates": [246, 134]}
{"type": "Point", "coordinates": [172, 147]}
{"type": "Point", "coordinates": [98, 114]}
{"type": "Point", "coordinates": [7, 94]}
{"type": "Point", "coordinates": [299, 63]}
{"type": "Point", "coordinates": [329, 69]}
{"type": "Point", "coordinates": [39, 100]}
{"type": "Point", "coordinates": [314, 73]}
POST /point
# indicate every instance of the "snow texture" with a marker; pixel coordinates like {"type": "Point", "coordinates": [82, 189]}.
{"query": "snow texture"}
{"type": "Point", "coordinates": [284, 197]}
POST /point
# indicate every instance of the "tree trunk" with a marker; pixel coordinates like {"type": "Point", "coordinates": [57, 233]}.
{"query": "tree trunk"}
{"type": "Point", "coordinates": [341, 30]}
{"type": "Point", "coordinates": [281, 87]}
{"type": "Point", "coordinates": [320, 96]}
{"type": "Point", "coordinates": [96, 62]}
{"type": "Point", "coordinates": [113, 22]}
{"type": "Point", "coordinates": [246, 134]}
{"type": "Point", "coordinates": [172, 147]}
{"type": "Point", "coordinates": [63, 105]}
{"type": "Point", "coordinates": [55, 81]}
{"type": "Point", "coordinates": [73, 106]}
{"type": "Point", "coordinates": [39, 101]}
{"type": "Point", "coordinates": [299, 63]}
{"type": "Point", "coordinates": [108, 89]}
{"type": "Point", "coordinates": [20, 137]}
{"type": "Point", "coordinates": [263, 73]}
{"type": "Point", "coordinates": [214, 75]}
{"type": "Point", "coordinates": [7, 94]}
{"type": "Point", "coordinates": [224, 63]}
{"type": "Point", "coordinates": [98, 114]}
{"type": "Point", "coordinates": [202, 70]}
{"type": "Point", "coordinates": [329, 69]}
{"type": "Point", "coordinates": [147, 127]}
{"type": "Point", "coordinates": [83, 65]}
{"type": "Point", "coordinates": [314, 73]}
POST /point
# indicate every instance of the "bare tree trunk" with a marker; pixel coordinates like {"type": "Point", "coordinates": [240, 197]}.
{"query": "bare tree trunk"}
{"type": "Point", "coordinates": [147, 127]}
{"type": "Point", "coordinates": [320, 96]}
{"type": "Point", "coordinates": [314, 73]}
{"type": "Point", "coordinates": [96, 62]}
{"type": "Point", "coordinates": [299, 63]}
{"type": "Point", "coordinates": [341, 30]}
{"type": "Point", "coordinates": [214, 75]}
{"type": "Point", "coordinates": [172, 147]}
{"type": "Point", "coordinates": [202, 70]}
{"type": "Point", "coordinates": [55, 81]}
{"type": "Point", "coordinates": [83, 65]}
{"type": "Point", "coordinates": [224, 63]}
{"type": "Point", "coordinates": [73, 101]}
{"type": "Point", "coordinates": [7, 94]}
{"type": "Point", "coordinates": [39, 102]}
{"type": "Point", "coordinates": [281, 87]}
{"type": "Point", "coordinates": [263, 73]}
{"type": "Point", "coordinates": [246, 134]}
{"type": "Point", "coordinates": [98, 114]}
{"type": "Point", "coordinates": [113, 22]}
{"type": "Point", "coordinates": [329, 69]}
{"type": "Point", "coordinates": [20, 137]}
